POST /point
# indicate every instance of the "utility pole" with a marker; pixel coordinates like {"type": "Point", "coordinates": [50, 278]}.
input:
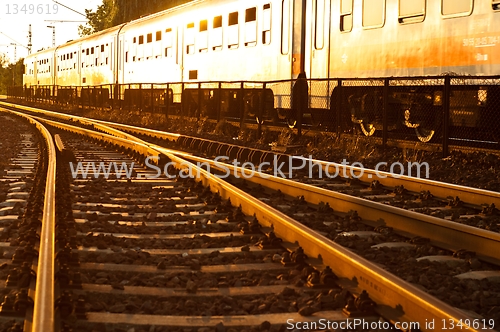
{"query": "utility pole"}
{"type": "Point", "coordinates": [29, 40]}
{"type": "Point", "coordinates": [53, 34]}
{"type": "Point", "coordinates": [54, 27]}
{"type": "Point", "coordinates": [14, 66]}
{"type": "Point", "coordinates": [15, 51]}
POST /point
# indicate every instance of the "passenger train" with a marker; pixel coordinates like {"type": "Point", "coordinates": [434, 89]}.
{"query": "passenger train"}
{"type": "Point", "coordinates": [268, 40]}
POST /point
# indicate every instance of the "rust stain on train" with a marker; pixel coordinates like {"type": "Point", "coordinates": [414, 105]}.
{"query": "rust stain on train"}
{"type": "Point", "coordinates": [459, 51]}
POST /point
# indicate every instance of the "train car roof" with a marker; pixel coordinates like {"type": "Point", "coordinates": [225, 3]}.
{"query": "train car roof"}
{"type": "Point", "coordinates": [79, 40]}
{"type": "Point", "coordinates": [168, 11]}
{"type": "Point", "coordinates": [181, 9]}
{"type": "Point", "coordinates": [130, 23]}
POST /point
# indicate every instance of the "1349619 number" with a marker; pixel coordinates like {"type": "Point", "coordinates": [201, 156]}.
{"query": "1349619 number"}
{"type": "Point", "coordinates": [466, 324]}
{"type": "Point", "coordinates": [30, 8]}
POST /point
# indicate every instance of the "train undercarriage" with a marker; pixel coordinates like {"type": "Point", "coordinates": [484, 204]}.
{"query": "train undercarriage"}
{"type": "Point", "coordinates": [422, 110]}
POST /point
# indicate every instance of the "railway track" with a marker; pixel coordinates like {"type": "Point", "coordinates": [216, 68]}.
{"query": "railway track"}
{"type": "Point", "coordinates": [356, 274]}
{"type": "Point", "coordinates": [469, 206]}
{"type": "Point", "coordinates": [142, 243]}
{"type": "Point", "coordinates": [27, 216]}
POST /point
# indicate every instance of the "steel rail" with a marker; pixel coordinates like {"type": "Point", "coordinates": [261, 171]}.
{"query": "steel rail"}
{"type": "Point", "coordinates": [469, 195]}
{"type": "Point", "coordinates": [87, 121]}
{"type": "Point", "coordinates": [441, 232]}
{"type": "Point", "coordinates": [398, 300]}
{"type": "Point", "coordinates": [43, 311]}
{"type": "Point", "coordinates": [133, 145]}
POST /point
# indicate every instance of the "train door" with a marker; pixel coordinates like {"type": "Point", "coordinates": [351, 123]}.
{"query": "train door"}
{"type": "Point", "coordinates": [121, 56]}
{"type": "Point", "coordinates": [316, 58]}
{"type": "Point", "coordinates": [79, 60]}
{"type": "Point", "coordinates": [178, 63]}
{"type": "Point", "coordinates": [317, 36]}
{"type": "Point", "coordinates": [310, 38]}
{"type": "Point", "coordinates": [179, 44]}
{"type": "Point", "coordinates": [298, 31]}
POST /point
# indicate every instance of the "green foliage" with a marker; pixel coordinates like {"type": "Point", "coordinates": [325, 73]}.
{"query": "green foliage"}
{"type": "Point", "coordinates": [114, 12]}
{"type": "Point", "coordinates": [101, 19]}
{"type": "Point", "coordinates": [10, 74]}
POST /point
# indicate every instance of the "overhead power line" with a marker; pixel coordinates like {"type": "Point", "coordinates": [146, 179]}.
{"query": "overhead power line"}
{"type": "Point", "coordinates": [60, 4]}
{"type": "Point", "coordinates": [18, 43]}
{"type": "Point", "coordinates": [64, 21]}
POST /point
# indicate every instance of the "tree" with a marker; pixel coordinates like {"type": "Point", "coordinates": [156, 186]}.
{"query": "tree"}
{"type": "Point", "coordinates": [99, 20]}
{"type": "Point", "coordinates": [10, 74]}
{"type": "Point", "coordinates": [114, 12]}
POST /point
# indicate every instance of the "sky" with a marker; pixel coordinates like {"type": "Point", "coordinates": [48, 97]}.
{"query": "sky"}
{"type": "Point", "coordinates": [39, 13]}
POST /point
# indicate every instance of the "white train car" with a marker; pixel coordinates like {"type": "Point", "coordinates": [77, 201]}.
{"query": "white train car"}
{"type": "Point", "coordinates": [67, 69]}
{"type": "Point", "coordinates": [206, 41]}
{"type": "Point", "coordinates": [39, 68]}
{"type": "Point", "coordinates": [98, 58]}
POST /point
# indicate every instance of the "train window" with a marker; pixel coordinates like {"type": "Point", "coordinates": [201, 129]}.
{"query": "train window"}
{"type": "Point", "coordinates": [203, 36]}
{"type": "Point", "coordinates": [134, 40]}
{"type": "Point", "coordinates": [189, 38]}
{"type": "Point", "coordinates": [251, 26]}
{"type": "Point", "coordinates": [373, 13]}
{"type": "Point", "coordinates": [217, 23]}
{"type": "Point", "coordinates": [92, 50]}
{"type": "Point", "coordinates": [251, 14]}
{"type": "Point", "coordinates": [126, 56]}
{"type": "Point", "coordinates": [233, 18]}
{"type": "Point", "coordinates": [454, 8]}
{"type": "Point", "coordinates": [266, 24]}
{"type": "Point", "coordinates": [319, 28]}
{"type": "Point", "coordinates": [102, 48]}
{"type": "Point", "coordinates": [168, 43]}
{"type": "Point", "coordinates": [141, 40]}
{"type": "Point", "coordinates": [203, 25]}
{"type": "Point", "coordinates": [495, 4]}
{"type": "Point", "coordinates": [346, 15]}
{"type": "Point", "coordinates": [233, 32]}
{"type": "Point", "coordinates": [216, 34]}
{"type": "Point", "coordinates": [285, 26]}
{"type": "Point", "coordinates": [158, 35]}
{"type": "Point", "coordinates": [411, 11]}
{"type": "Point", "coordinates": [88, 52]}
{"type": "Point", "coordinates": [149, 37]}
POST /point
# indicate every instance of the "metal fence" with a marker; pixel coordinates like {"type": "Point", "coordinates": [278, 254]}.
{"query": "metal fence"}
{"type": "Point", "coordinates": [458, 110]}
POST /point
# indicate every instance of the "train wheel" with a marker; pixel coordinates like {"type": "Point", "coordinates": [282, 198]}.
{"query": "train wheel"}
{"type": "Point", "coordinates": [424, 134]}
{"type": "Point", "coordinates": [367, 128]}
{"type": "Point", "coordinates": [292, 123]}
